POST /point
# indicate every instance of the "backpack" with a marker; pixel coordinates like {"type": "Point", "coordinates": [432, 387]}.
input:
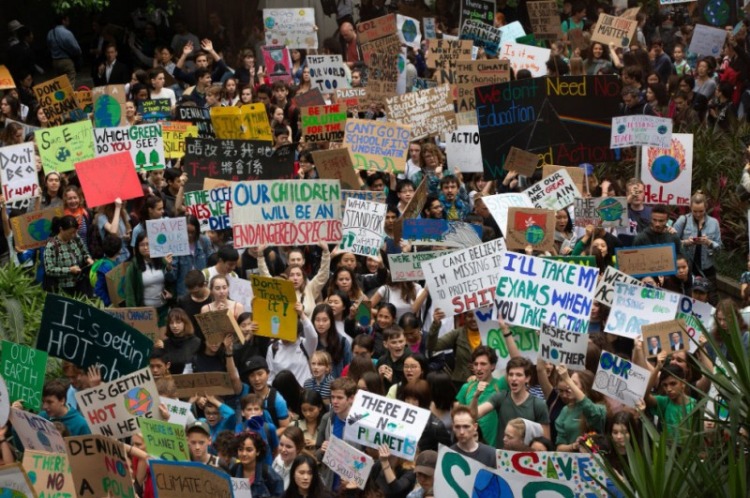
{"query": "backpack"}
{"type": "Point", "coordinates": [271, 406]}
{"type": "Point", "coordinates": [94, 241]}
{"type": "Point", "coordinates": [94, 272]}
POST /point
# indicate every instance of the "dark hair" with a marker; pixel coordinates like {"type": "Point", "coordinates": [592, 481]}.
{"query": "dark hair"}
{"type": "Point", "coordinates": [260, 445]}
{"type": "Point", "coordinates": [660, 209]}
{"type": "Point", "coordinates": [359, 365]}
{"type": "Point", "coordinates": [442, 390]}
{"type": "Point", "coordinates": [431, 198]}
{"type": "Point", "coordinates": [334, 345]}
{"type": "Point", "coordinates": [172, 174]}
{"type": "Point", "coordinates": [135, 89]}
{"type": "Point", "coordinates": [487, 351]}
{"type": "Point", "coordinates": [228, 253]}
{"type": "Point", "coordinates": [558, 65]}
{"type": "Point", "coordinates": [403, 184]}
{"type": "Point", "coordinates": [671, 371]}
{"type": "Point", "coordinates": [355, 290]}
{"type": "Point", "coordinates": [201, 71]}
{"type": "Point", "coordinates": [364, 341]}
{"type": "Point", "coordinates": [317, 488]}
{"type": "Point", "coordinates": [151, 202]}
{"type": "Point", "coordinates": [419, 390]}
{"type": "Point", "coordinates": [660, 92]}
{"type": "Point", "coordinates": [287, 385]}
{"type": "Point", "coordinates": [111, 245]}
{"type": "Point", "coordinates": [63, 223]}
{"type": "Point", "coordinates": [312, 397]}
{"type": "Point", "coordinates": [195, 278]}
{"type": "Point", "coordinates": [520, 362]}
{"type": "Point", "coordinates": [344, 384]}
{"type": "Point", "coordinates": [544, 441]}
{"type": "Point", "coordinates": [409, 320]}
{"type": "Point", "coordinates": [389, 306]}
{"type": "Point", "coordinates": [392, 332]}
{"type": "Point", "coordinates": [373, 383]}
{"type": "Point", "coordinates": [55, 387]}
{"type": "Point", "coordinates": [378, 175]}
{"type": "Point", "coordinates": [137, 258]}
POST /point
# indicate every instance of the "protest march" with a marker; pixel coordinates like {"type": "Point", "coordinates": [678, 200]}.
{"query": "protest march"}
{"type": "Point", "coordinates": [395, 249]}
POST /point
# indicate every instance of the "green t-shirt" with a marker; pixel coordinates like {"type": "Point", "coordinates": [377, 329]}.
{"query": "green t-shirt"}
{"type": "Point", "coordinates": [673, 416]}
{"type": "Point", "coordinates": [568, 423]}
{"type": "Point", "coordinates": [533, 408]}
{"type": "Point", "coordinates": [488, 423]}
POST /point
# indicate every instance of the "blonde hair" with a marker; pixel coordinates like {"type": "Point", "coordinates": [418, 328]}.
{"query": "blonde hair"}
{"type": "Point", "coordinates": [519, 425]}
{"type": "Point", "coordinates": [323, 357]}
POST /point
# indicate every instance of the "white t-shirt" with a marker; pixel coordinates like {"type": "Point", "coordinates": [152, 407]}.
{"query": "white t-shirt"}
{"type": "Point", "coordinates": [395, 299]}
{"type": "Point", "coordinates": [165, 93]}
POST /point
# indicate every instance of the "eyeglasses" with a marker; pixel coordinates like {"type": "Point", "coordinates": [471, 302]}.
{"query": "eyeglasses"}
{"type": "Point", "coordinates": [411, 367]}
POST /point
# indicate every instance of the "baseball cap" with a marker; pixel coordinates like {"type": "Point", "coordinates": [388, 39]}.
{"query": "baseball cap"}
{"type": "Point", "coordinates": [254, 363]}
{"type": "Point", "coordinates": [700, 284]}
{"type": "Point", "coordinates": [200, 426]}
{"type": "Point", "coordinates": [426, 462]}
{"type": "Point", "coordinates": [14, 25]}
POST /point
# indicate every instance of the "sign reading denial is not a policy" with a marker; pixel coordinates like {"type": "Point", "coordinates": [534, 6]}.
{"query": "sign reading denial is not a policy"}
{"type": "Point", "coordinates": [100, 467]}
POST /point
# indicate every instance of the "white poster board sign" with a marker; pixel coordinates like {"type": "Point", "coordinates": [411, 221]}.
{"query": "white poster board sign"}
{"type": "Point", "coordinates": [620, 379]}
{"type": "Point", "coordinates": [362, 227]}
{"type": "Point", "coordinates": [168, 236]}
{"type": "Point", "coordinates": [562, 347]}
{"type": "Point", "coordinates": [640, 129]}
{"type": "Point", "coordinates": [462, 149]}
{"type": "Point", "coordinates": [348, 462]}
{"type": "Point", "coordinates": [635, 306]}
{"type": "Point", "coordinates": [556, 191]}
{"type": "Point", "coordinates": [668, 173]}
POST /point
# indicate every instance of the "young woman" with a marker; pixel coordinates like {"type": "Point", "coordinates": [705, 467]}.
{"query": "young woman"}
{"type": "Point", "coordinates": [345, 280]}
{"type": "Point", "coordinates": [131, 113]}
{"type": "Point", "coordinates": [219, 287]}
{"type": "Point", "coordinates": [52, 190]}
{"type": "Point", "coordinates": [621, 428]}
{"type": "Point", "coordinates": [329, 339]}
{"type": "Point", "coordinates": [598, 59]}
{"type": "Point", "coordinates": [564, 235]}
{"type": "Point", "coordinates": [246, 72]}
{"type": "Point", "coordinates": [181, 343]}
{"type": "Point", "coordinates": [704, 82]}
{"type": "Point", "coordinates": [157, 89]}
{"type": "Point", "coordinates": [291, 444]}
{"type": "Point", "coordinates": [580, 414]}
{"type": "Point", "coordinates": [343, 315]}
{"type": "Point", "coordinates": [149, 281]}
{"type": "Point", "coordinates": [12, 134]}
{"type": "Point", "coordinates": [299, 63]}
{"type": "Point", "coordinates": [402, 295]}
{"type": "Point", "coordinates": [305, 82]}
{"type": "Point", "coordinates": [66, 258]}
{"type": "Point", "coordinates": [37, 117]}
{"type": "Point", "coordinates": [74, 206]}
{"type": "Point", "coordinates": [264, 481]}
{"type": "Point", "coordinates": [658, 98]}
{"type": "Point", "coordinates": [305, 481]}
{"type": "Point", "coordinates": [415, 368]}
{"type": "Point", "coordinates": [278, 119]}
{"type": "Point", "coordinates": [111, 218]}
{"type": "Point", "coordinates": [152, 209]}
{"type": "Point", "coordinates": [245, 95]}
{"type": "Point", "coordinates": [10, 108]}
{"type": "Point", "coordinates": [385, 316]}
{"type": "Point", "coordinates": [518, 434]}
{"type": "Point", "coordinates": [307, 169]}
{"type": "Point", "coordinates": [312, 408]}
{"type": "Point", "coordinates": [229, 94]}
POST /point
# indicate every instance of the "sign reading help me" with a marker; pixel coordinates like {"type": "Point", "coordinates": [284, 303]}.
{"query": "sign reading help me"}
{"type": "Point", "coordinates": [374, 420]}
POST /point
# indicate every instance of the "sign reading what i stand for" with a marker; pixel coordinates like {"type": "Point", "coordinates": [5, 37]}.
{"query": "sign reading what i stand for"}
{"type": "Point", "coordinates": [362, 227]}
{"type": "Point", "coordinates": [374, 420]}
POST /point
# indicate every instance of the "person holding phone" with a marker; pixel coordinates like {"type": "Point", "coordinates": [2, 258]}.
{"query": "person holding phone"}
{"type": "Point", "coordinates": [150, 281]}
{"type": "Point", "coordinates": [65, 259]}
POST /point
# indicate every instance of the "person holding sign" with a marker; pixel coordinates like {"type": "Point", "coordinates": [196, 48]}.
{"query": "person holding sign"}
{"type": "Point", "coordinates": [674, 407]}
{"type": "Point", "coordinates": [219, 287]}
{"type": "Point", "coordinates": [264, 481]}
{"type": "Point", "coordinates": [149, 282]}
{"type": "Point", "coordinates": [575, 391]}
{"type": "Point", "coordinates": [66, 258]}
{"type": "Point", "coordinates": [484, 360]}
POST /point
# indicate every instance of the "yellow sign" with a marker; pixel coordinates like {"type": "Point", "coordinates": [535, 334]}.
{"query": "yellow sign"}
{"type": "Point", "coordinates": [250, 122]}
{"type": "Point", "coordinates": [6, 80]}
{"type": "Point", "coordinates": [255, 122]}
{"type": "Point", "coordinates": [174, 134]}
{"type": "Point", "coordinates": [273, 308]}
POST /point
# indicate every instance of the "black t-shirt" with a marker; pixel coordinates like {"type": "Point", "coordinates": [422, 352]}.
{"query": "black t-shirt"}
{"type": "Point", "coordinates": [193, 308]}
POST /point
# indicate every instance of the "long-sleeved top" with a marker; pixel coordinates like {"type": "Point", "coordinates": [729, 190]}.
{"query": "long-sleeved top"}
{"type": "Point", "coordinates": [687, 228]}
{"type": "Point", "coordinates": [649, 238]}
{"type": "Point", "coordinates": [220, 68]}
{"type": "Point", "coordinates": [455, 339]}
{"type": "Point", "coordinates": [196, 260]}
{"type": "Point", "coordinates": [59, 256]}
{"type": "Point", "coordinates": [568, 423]}
{"type": "Point", "coordinates": [284, 355]}
{"type": "Point", "coordinates": [267, 483]}
{"type": "Point", "coordinates": [62, 44]}
{"type": "Point", "coordinates": [313, 289]}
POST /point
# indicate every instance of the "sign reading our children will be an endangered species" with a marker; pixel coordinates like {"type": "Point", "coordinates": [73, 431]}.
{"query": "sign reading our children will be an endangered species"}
{"type": "Point", "coordinates": [286, 212]}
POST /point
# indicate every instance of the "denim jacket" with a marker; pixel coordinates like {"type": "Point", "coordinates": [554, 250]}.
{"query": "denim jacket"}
{"type": "Point", "coordinates": [197, 261]}
{"type": "Point", "coordinates": [686, 228]}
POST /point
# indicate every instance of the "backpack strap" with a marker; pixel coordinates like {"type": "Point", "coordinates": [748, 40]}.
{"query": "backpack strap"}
{"type": "Point", "coordinates": [271, 406]}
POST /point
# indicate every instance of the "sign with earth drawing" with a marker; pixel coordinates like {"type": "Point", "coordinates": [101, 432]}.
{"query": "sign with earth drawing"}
{"type": "Point", "coordinates": [667, 172]}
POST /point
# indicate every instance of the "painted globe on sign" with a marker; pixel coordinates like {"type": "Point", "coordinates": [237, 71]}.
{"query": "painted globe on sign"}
{"type": "Point", "coordinates": [534, 235]}
{"type": "Point", "coordinates": [665, 169]}
{"type": "Point", "coordinates": [161, 239]}
{"type": "Point", "coordinates": [107, 111]}
{"type": "Point", "coordinates": [11, 493]}
{"type": "Point", "coordinates": [138, 401]}
{"type": "Point", "coordinates": [270, 22]}
{"type": "Point", "coordinates": [409, 30]}
{"type": "Point", "coordinates": [610, 209]}
{"type": "Point", "coordinates": [40, 229]}
{"type": "Point", "coordinates": [60, 95]}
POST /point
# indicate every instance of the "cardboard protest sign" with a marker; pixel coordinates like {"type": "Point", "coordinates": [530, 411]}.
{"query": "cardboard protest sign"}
{"type": "Point", "coordinates": [168, 236]}
{"type": "Point", "coordinates": [31, 230]}
{"type": "Point", "coordinates": [378, 146]}
{"type": "Point", "coordinates": [314, 97]}
{"type": "Point", "coordinates": [707, 40]}
{"type": "Point", "coordinates": [577, 174]}
{"type": "Point", "coordinates": [363, 227]}
{"type": "Point", "coordinates": [241, 290]}
{"type": "Point", "coordinates": [174, 134]}
{"type": "Point", "coordinates": [641, 261]}
{"type": "Point", "coordinates": [407, 266]}
{"type": "Point", "coordinates": [336, 164]}
{"type": "Point", "coordinates": [145, 320]}
{"type": "Point", "coordinates": [363, 195]}
{"type": "Point", "coordinates": [499, 204]}
{"type": "Point", "coordinates": [374, 420]}
{"type": "Point", "coordinates": [327, 72]}
{"type": "Point", "coordinates": [530, 227]}
{"type": "Point", "coordinates": [470, 74]}
{"type": "Point", "coordinates": [533, 290]}
{"type": "Point", "coordinates": [323, 123]}
{"type": "Point", "coordinates": [545, 20]}
{"type": "Point", "coordinates": [669, 336]}
{"type": "Point", "coordinates": [57, 99]}
{"type": "Point", "coordinates": [117, 348]}
{"type": "Point", "coordinates": [408, 31]}
{"type": "Point", "coordinates": [525, 57]}
{"type": "Point", "coordinates": [61, 147]}
{"type": "Point", "coordinates": [23, 371]}
{"type": "Point", "coordinates": [562, 347]}
{"type": "Point", "coordinates": [217, 324]}
{"type": "Point", "coordinates": [4, 402]}
{"type": "Point", "coordinates": [612, 29]}
{"type": "Point", "coordinates": [49, 473]}
{"type": "Point", "coordinates": [621, 379]}
{"type": "Point", "coordinates": [6, 80]}
{"type": "Point", "coordinates": [106, 178]}
{"type": "Point", "coordinates": [482, 35]}
{"type": "Point", "coordinates": [382, 59]}
{"type": "Point", "coordinates": [35, 432]}
{"type": "Point", "coordinates": [144, 142]}
{"type": "Point", "coordinates": [462, 149]}
{"type": "Point", "coordinates": [373, 29]}
{"type": "Point", "coordinates": [155, 110]}
{"type": "Point", "coordinates": [170, 480]}
{"type": "Point", "coordinates": [100, 466]}
{"type": "Point", "coordinates": [431, 232]}
{"type": "Point", "coordinates": [525, 163]}
{"type": "Point", "coordinates": [286, 212]}
{"type": "Point", "coordinates": [211, 207]}
{"type": "Point", "coordinates": [428, 112]}
{"type": "Point", "coordinates": [85, 100]}
{"type": "Point", "coordinates": [14, 482]}
{"type": "Point", "coordinates": [111, 408]}
{"type": "Point", "coordinates": [116, 283]}
{"type": "Point", "coordinates": [348, 462]}
{"type": "Point", "coordinates": [554, 192]}
{"type": "Point", "coordinates": [273, 307]}
{"type": "Point", "coordinates": [510, 115]}
{"type": "Point", "coordinates": [351, 97]}
{"type": "Point", "coordinates": [200, 117]}
{"type": "Point", "coordinates": [294, 28]}
{"type": "Point", "coordinates": [608, 212]}
{"type": "Point", "coordinates": [109, 105]}
{"type": "Point", "coordinates": [205, 384]}
{"type": "Point", "coordinates": [667, 173]}
{"type": "Point", "coordinates": [241, 488]}
{"type": "Point", "coordinates": [605, 289]}
{"type": "Point", "coordinates": [164, 440]}
{"type": "Point", "coordinates": [278, 63]}
{"type": "Point", "coordinates": [641, 129]}
{"type": "Point", "coordinates": [18, 172]}
{"type": "Point", "coordinates": [463, 280]}
{"type": "Point", "coordinates": [235, 160]}
{"type": "Point", "coordinates": [444, 52]}
{"type": "Point", "coordinates": [635, 306]}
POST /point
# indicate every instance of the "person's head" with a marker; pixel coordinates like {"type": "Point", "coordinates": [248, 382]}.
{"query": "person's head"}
{"type": "Point", "coordinates": [349, 261]}
{"type": "Point", "coordinates": [431, 156]}
{"type": "Point", "coordinates": [157, 77]}
{"type": "Point", "coordinates": [280, 92]}
{"type": "Point", "coordinates": [578, 11]}
{"type": "Point", "coordinates": [229, 87]}
{"type": "Point", "coordinates": [469, 320]}
{"type": "Point", "coordinates": [415, 368]}
{"type": "Point", "coordinates": [219, 287]}
{"type": "Point", "coordinates": [449, 186]}
{"type": "Point", "coordinates": [385, 315]}
{"type": "Point", "coordinates": [514, 435]}
{"type": "Point", "coordinates": [518, 374]}
{"type": "Point", "coordinates": [698, 206]}
{"type": "Point", "coordinates": [291, 443]}
{"type": "Point", "coordinates": [412, 326]}
{"type": "Point", "coordinates": [203, 78]}
{"type": "Point", "coordinates": [442, 390]}
{"type": "Point", "coordinates": [320, 364]}
{"type": "Point", "coordinates": [53, 184]}
{"type": "Point", "coordinates": [345, 281]}
{"type": "Point", "coordinates": [415, 149]}
{"type": "Point", "coordinates": [201, 60]}
{"type": "Point", "coordinates": [324, 321]}
{"type": "Point", "coordinates": [10, 107]}
{"type": "Point", "coordinates": [312, 406]}
{"type": "Point", "coordinates": [620, 428]}
{"type": "Point", "coordinates": [683, 268]}
{"type": "Point", "coordinates": [372, 382]}
{"type": "Point", "coordinates": [305, 477]}
{"type": "Point", "coordinates": [680, 100]}
{"type": "Point", "coordinates": [347, 32]}
{"type": "Point", "coordinates": [246, 94]}
{"type": "Point", "coordinates": [339, 303]}
{"type": "Point", "coordinates": [250, 448]}
{"type": "Point", "coordinates": [672, 382]}
{"type": "Point", "coordinates": [343, 390]}
{"type": "Point", "coordinates": [64, 227]}
{"type": "Point", "coordinates": [246, 58]}
{"type": "Point", "coordinates": [700, 288]}
{"type": "Point", "coordinates": [251, 405]}
{"type": "Point", "coordinates": [556, 66]}
{"type": "Point", "coordinates": [704, 68]}
{"type": "Point", "coordinates": [583, 379]}
{"type": "Point", "coordinates": [159, 363]}
{"type": "Point", "coordinates": [376, 182]}
{"type": "Point", "coordinates": [484, 361]}
{"type": "Point", "coordinates": [464, 425]}
{"type": "Point", "coordinates": [657, 46]}
{"type": "Point", "coordinates": [199, 440]}
{"type": "Point", "coordinates": [256, 372]}
{"type": "Point", "coordinates": [213, 95]}
{"type": "Point", "coordinates": [228, 257]}
{"type": "Point", "coordinates": [195, 282]}
{"type": "Point", "coordinates": [363, 346]}
{"type": "Point", "coordinates": [424, 468]}
{"type": "Point", "coordinates": [599, 51]}
{"type": "Point", "coordinates": [541, 443]}
{"type": "Point", "coordinates": [433, 208]}
{"type": "Point", "coordinates": [598, 247]}
{"type": "Point", "coordinates": [54, 394]}
{"type": "Point", "coordinates": [394, 341]}
{"type": "Point", "coordinates": [636, 193]}
{"type": "Point", "coordinates": [656, 93]}
{"type": "Point", "coordinates": [405, 190]}
{"type": "Point", "coordinates": [630, 96]}
{"type": "Point", "coordinates": [659, 218]}
{"type": "Point", "coordinates": [179, 323]}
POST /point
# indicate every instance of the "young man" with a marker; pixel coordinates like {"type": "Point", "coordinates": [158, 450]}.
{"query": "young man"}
{"type": "Point", "coordinates": [199, 442]}
{"type": "Point", "coordinates": [198, 296]}
{"type": "Point", "coordinates": [253, 419]}
{"type": "Point", "coordinates": [517, 402]}
{"type": "Point", "coordinates": [159, 363]}
{"type": "Point", "coordinates": [638, 213]}
{"type": "Point", "coordinates": [218, 416]}
{"type": "Point", "coordinates": [172, 191]}
{"type": "Point", "coordinates": [454, 197]}
{"type": "Point", "coordinates": [465, 434]}
{"type": "Point", "coordinates": [659, 232]}
{"type": "Point", "coordinates": [201, 62]}
{"type": "Point", "coordinates": [203, 82]}
{"type": "Point", "coordinates": [111, 71]}
{"type": "Point", "coordinates": [673, 408]}
{"type": "Point", "coordinates": [391, 364]}
{"type": "Point", "coordinates": [343, 390]}
{"type": "Point", "coordinates": [55, 408]}
{"type": "Point", "coordinates": [228, 258]}
{"type": "Point", "coordinates": [256, 373]}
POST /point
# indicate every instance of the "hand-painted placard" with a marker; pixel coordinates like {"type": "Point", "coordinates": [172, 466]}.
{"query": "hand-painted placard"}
{"type": "Point", "coordinates": [520, 161]}
{"type": "Point", "coordinates": [144, 143]}
{"type": "Point", "coordinates": [554, 192]}
{"type": "Point", "coordinates": [204, 384]}
{"type": "Point", "coordinates": [635, 306]}
{"type": "Point", "coordinates": [278, 63]}
{"type": "Point", "coordinates": [348, 462]}
{"type": "Point", "coordinates": [641, 129]}
{"type": "Point", "coordinates": [545, 20]}
{"type": "Point", "coordinates": [444, 52]}
{"type": "Point", "coordinates": [255, 125]}
{"type": "Point", "coordinates": [32, 230]}
{"type": "Point", "coordinates": [482, 11]}
{"type": "Point", "coordinates": [200, 117]}
{"type": "Point", "coordinates": [375, 420]}
{"type": "Point", "coordinates": [35, 432]}
{"type": "Point", "coordinates": [462, 149]}
{"type": "Point", "coordinates": [382, 59]}
{"type": "Point", "coordinates": [86, 336]}
{"type": "Point", "coordinates": [562, 347]}
{"type": "Point", "coordinates": [490, 333]}
{"type": "Point", "coordinates": [49, 473]}
{"type": "Point", "coordinates": [668, 173]}
{"type": "Point", "coordinates": [14, 482]}
{"type": "Point", "coordinates": [6, 79]}
{"type": "Point", "coordinates": [100, 467]}
{"type": "Point", "coordinates": [669, 336]}
{"type": "Point", "coordinates": [409, 31]}
{"type": "Point", "coordinates": [336, 164]}
{"type": "Point", "coordinates": [273, 307]}
{"type": "Point", "coordinates": [463, 280]}
{"type": "Point", "coordinates": [499, 204]}
{"type": "Point", "coordinates": [697, 316]}
{"type": "Point", "coordinates": [707, 40]}
{"type": "Point", "coordinates": [533, 290]}
{"type": "Point", "coordinates": [179, 411]}
{"type": "Point", "coordinates": [376, 145]}
{"type": "Point", "coordinates": [107, 178]}
{"type": "Point", "coordinates": [323, 123]}
{"type": "Point", "coordinates": [18, 172]}
{"type": "Point", "coordinates": [58, 101]}
{"type": "Point", "coordinates": [615, 30]}
{"type": "Point", "coordinates": [429, 27]}
{"type": "Point", "coordinates": [577, 174]}
{"type": "Point", "coordinates": [525, 57]}
{"type": "Point", "coordinates": [204, 480]}
{"type": "Point", "coordinates": [470, 74]}
{"type": "Point", "coordinates": [23, 369]}
{"type": "Point", "coordinates": [109, 105]}
{"type": "Point", "coordinates": [61, 147]}
{"type": "Point", "coordinates": [363, 195]}
{"type": "Point", "coordinates": [482, 35]}
{"type": "Point", "coordinates": [621, 379]}
{"type": "Point", "coordinates": [531, 227]}
{"type": "Point", "coordinates": [295, 28]}
{"type": "Point", "coordinates": [582, 260]}
{"type": "Point", "coordinates": [211, 207]}
{"type": "Point", "coordinates": [168, 236]}
{"type": "Point", "coordinates": [111, 408]}
{"type": "Point", "coordinates": [363, 227]}
{"type": "Point", "coordinates": [608, 212]}
{"type": "Point", "coordinates": [241, 290]}
{"type": "Point", "coordinates": [155, 110]}
{"type": "Point", "coordinates": [373, 29]}
{"type": "Point", "coordinates": [145, 319]}
{"type": "Point", "coordinates": [642, 261]}
{"type": "Point", "coordinates": [430, 232]}
{"type": "Point", "coordinates": [116, 283]}
{"type": "Point", "coordinates": [327, 72]}
{"type": "Point", "coordinates": [174, 134]}
{"type": "Point", "coordinates": [164, 440]}
{"type": "Point", "coordinates": [428, 112]}
{"type": "Point", "coordinates": [217, 324]}
{"type": "Point", "coordinates": [288, 212]}
{"type": "Point", "coordinates": [407, 266]}
{"type": "Point", "coordinates": [351, 97]}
